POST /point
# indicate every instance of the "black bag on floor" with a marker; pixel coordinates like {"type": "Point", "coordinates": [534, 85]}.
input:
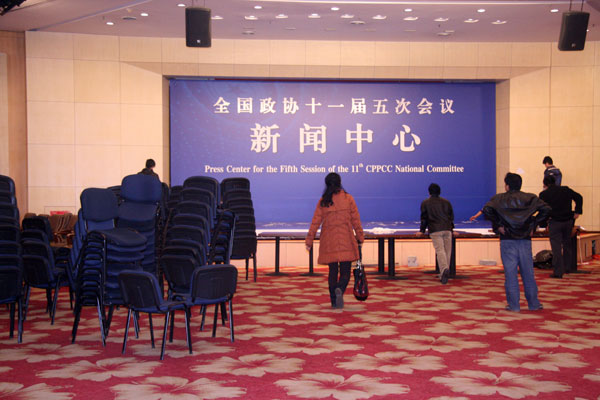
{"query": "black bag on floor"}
{"type": "Point", "coordinates": [361, 288]}
{"type": "Point", "coordinates": [543, 259]}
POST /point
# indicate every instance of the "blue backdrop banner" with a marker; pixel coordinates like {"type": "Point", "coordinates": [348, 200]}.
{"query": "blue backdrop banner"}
{"type": "Point", "coordinates": [387, 140]}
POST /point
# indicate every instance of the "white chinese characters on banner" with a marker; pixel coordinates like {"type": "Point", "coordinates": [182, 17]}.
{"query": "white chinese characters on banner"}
{"type": "Point", "coordinates": [262, 138]}
{"type": "Point", "coordinates": [401, 139]}
{"type": "Point", "coordinates": [315, 136]}
{"type": "Point", "coordinates": [359, 136]}
{"type": "Point", "coordinates": [265, 138]}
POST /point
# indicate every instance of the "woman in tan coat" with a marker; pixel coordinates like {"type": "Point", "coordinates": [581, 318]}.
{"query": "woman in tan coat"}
{"type": "Point", "coordinates": [341, 235]}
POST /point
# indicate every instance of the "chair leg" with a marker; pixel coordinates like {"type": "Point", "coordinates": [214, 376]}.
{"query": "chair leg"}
{"type": "Point", "coordinates": [254, 264]}
{"type": "Point", "coordinates": [162, 350]}
{"type": "Point", "coordinates": [77, 313]}
{"type": "Point", "coordinates": [172, 327]}
{"type": "Point", "coordinates": [203, 312]}
{"type": "Point", "coordinates": [49, 301]}
{"type": "Point", "coordinates": [100, 309]}
{"type": "Point", "coordinates": [108, 319]}
{"type": "Point", "coordinates": [151, 329]}
{"type": "Point", "coordinates": [11, 310]}
{"type": "Point", "coordinates": [247, 268]}
{"type": "Point", "coordinates": [136, 323]}
{"type": "Point", "coordinates": [20, 322]}
{"type": "Point", "coordinates": [214, 333]}
{"type": "Point", "coordinates": [54, 301]}
{"type": "Point", "coordinates": [188, 332]}
{"type": "Point", "coordinates": [126, 331]}
{"type": "Point", "coordinates": [223, 313]}
{"type": "Point", "coordinates": [231, 319]}
{"type": "Point", "coordinates": [27, 293]}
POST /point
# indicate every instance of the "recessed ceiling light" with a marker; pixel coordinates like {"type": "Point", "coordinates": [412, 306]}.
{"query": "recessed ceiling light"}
{"type": "Point", "coordinates": [110, 23]}
{"type": "Point", "coordinates": [180, 5]}
{"type": "Point", "coordinates": [443, 34]}
{"type": "Point", "coordinates": [335, 9]}
{"type": "Point", "coordinates": [481, 10]}
{"type": "Point", "coordinates": [129, 18]}
{"type": "Point", "coordinates": [281, 16]}
{"type": "Point", "coordinates": [248, 32]}
{"type": "Point", "coordinates": [380, 17]}
{"type": "Point", "coordinates": [314, 16]}
{"type": "Point", "coordinates": [357, 22]}
{"type": "Point", "coordinates": [498, 22]}
{"type": "Point", "coordinates": [347, 16]}
{"type": "Point", "coordinates": [449, 31]}
{"type": "Point", "coordinates": [144, 14]}
{"type": "Point", "coordinates": [441, 19]}
{"type": "Point", "coordinates": [554, 10]}
{"type": "Point", "coordinates": [408, 10]}
{"type": "Point", "coordinates": [411, 18]}
{"type": "Point", "coordinates": [216, 17]}
{"type": "Point", "coordinates": [251, 17]}
{"type": "Point", "coordinates": [471, 21]}
{"type": "Point", "coordinates": [257, 7]}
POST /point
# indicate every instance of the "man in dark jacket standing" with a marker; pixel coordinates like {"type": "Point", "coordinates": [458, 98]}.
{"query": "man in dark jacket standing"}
{"type": "Point", "coordinates": [437, 216]}
{"type": "Point", "coordinates": [560, 226]}
{"type": "Point", "coordinates": [515, 216]}
{"type": "Point", "coordinates": [551, 170]}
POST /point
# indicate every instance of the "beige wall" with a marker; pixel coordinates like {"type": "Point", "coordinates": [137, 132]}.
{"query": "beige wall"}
{"type": "Point", "coordinates": [98, 105]}
{"type": "Point", "coordinates": [13, 123]}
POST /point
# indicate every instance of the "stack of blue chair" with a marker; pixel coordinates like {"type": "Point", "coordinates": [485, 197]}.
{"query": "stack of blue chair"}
{"type": "Point", "coordinates": [11, 276]}
{"type": "Point", "coordinates": [140, 210]}
{"type": "Point", "coordinates": [10, 249]}
{"type": "Point", "coordinates": [105, 251]}
{"type": "Point", "coordinates": [238, 198]}
{"type": "Point", "coordinates": [44, 267]}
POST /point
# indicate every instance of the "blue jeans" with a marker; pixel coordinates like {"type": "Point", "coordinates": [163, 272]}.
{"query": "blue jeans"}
{"type": "Point", "coordinates": [516, 257]}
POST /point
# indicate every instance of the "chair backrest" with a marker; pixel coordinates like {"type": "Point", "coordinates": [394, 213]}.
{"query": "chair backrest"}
{"type": "Point", "coordinates": [7, 184]}
{"type": "Point", "coordinates": [178, 272]}
{"type": "Point", "coordinates": [214, 282]}
{"type": "Point", "coordinates": [37, 271]}
{"type": "Point", "coordinates": [9, 210]}
{"type": "Point", "coordinates": [7, 197]}
{"type": "Point", "coordinates": [140, 188]}
{"type": "Point", "coordinates": [140, 290]}
{"type": "Point", "coordinates": [9, 232]}
{"type": "Point", "coordinates": [228, 184]}
{"type": "Point", "coordinates": [99, 208]}
{"type": "Point", "coordinates": [11, 283]}
{"type": "Point", "coordinates": [39, 223]}
{"type": "Point", "coordinates": [205, 182]}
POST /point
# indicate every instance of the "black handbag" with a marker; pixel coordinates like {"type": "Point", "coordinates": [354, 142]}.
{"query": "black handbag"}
{"type": "Point", "coordinates": [361, 288]}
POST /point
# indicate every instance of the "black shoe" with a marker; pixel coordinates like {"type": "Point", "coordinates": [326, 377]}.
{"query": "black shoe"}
{"type": "Point", "coordinates": [555, 276]}
{"type": "Point", "coordinates": [541, 307]}
{"type": "Point", "coordinates": [445, 275]}
{"type": "Point", "coordinates": [339, 298]}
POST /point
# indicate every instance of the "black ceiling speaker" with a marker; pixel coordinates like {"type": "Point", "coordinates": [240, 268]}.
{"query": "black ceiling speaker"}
{"type": "Point", "coordinates": [573, 30]}
{"type": "Point", "coordinates": [197, 27]}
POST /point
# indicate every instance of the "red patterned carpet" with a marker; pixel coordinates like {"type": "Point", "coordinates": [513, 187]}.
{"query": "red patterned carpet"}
{"type": "Point", "coordinates": [412, 339]}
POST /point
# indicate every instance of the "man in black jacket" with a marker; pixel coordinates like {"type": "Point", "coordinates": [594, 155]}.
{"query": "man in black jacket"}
{"type": "Point", "coordinates": [437, 216]}
{"type": "Point", "coordinates": [560, 226]}
{"type": "Point", "coordinates": [515, 216]}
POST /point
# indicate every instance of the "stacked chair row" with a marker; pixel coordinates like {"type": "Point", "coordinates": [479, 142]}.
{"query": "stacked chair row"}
{"type": "Point", "coordinates": [11, 275]}
{"type": "Point", "coordinates": [110, 237]}
{"type": "Point", "coordinates": [237, 197]}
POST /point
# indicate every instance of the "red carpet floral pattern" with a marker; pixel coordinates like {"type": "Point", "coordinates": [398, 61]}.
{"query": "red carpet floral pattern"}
{"type": "Point", "coordinates": [412, 339]}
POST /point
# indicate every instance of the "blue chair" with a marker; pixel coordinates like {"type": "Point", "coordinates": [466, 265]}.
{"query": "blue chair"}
{"type": "Point", "coordinates": [11, 293]}
{"type": "Point", "coordinates": [214, 284]}
{"type": "Point", "coordinates": [105, 250]}
{"type": "Point", "coordinates": [205, 182]}
{"type": "Point", "coordinates": [141, 294]}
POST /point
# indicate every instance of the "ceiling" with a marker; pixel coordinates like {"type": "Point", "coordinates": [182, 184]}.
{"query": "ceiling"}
{"type": "Point", "coordinates": [502, 21]}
